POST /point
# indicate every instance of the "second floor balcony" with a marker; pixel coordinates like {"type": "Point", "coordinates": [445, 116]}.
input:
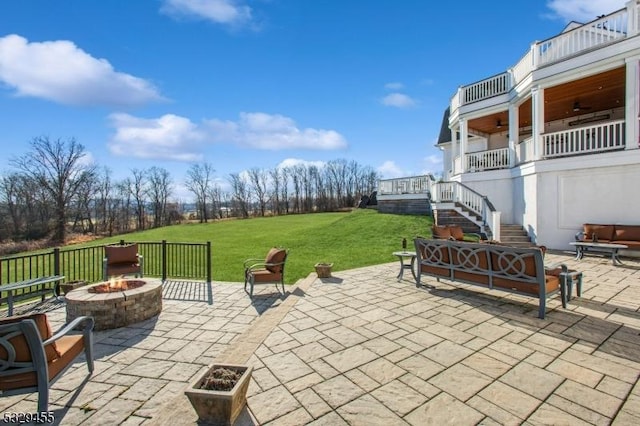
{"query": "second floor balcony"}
{"type": "Point", "coordinates": [574, 40]}
{"type": "Point", "coordinates": [592, 139]}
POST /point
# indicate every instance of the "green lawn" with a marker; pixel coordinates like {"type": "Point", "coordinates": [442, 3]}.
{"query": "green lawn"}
{"type": "Point", "coordinates": [348, 240]}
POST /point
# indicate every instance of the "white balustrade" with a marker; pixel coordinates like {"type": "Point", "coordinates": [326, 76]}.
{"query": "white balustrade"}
{"type": "Point", "coordinates": [584, 140]}
{"type": "Point", "coordinates": [455, 192]}
{"type": "Point", "coordinates": [457, 165]}
{"type": "Point", "coordinates": [405, 185]}
{"type": "Point", "coordinates": [523, 68]}
{"type": "Point", "coordinates": [487, 88]}
{"type": "Point", "coordinates": [524, 152]}
{"type": "Point", "coordinates": [594, 34]}
{"type": "Point", "coordinates": [487, 160]}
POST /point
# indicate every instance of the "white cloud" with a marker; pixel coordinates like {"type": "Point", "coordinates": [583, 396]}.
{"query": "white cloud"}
{"type": "Point", "coordinates": [292, 162]}
{"type": "Point", "coordinates": [59, 71]}
{"type": "Point", "coordinates": [169, 137]}
{"type": "Point", "coordinates": [273, 132]}
{"type": "Point", "coordinates": [433, 164]}
{"type": "Point", "coordinates": [229, 12]}
{"type": "Point", "coordinates": [398, 100]}
{"type": "Point", "coordinates": [178, 138]}
{"type": "Point", "coordinates": [583, 10]}
{"type": "Point", "coordinates": [389, 170]}
{"type": "Point", "coordinates": [396, 85]}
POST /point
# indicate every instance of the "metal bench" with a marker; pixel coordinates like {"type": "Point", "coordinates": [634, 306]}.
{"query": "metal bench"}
{"type": "Point", "coordinates": [33, 282]}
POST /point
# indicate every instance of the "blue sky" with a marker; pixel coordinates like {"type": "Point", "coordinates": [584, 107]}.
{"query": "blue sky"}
{"type": "Point", "coordinates": [255, 83]}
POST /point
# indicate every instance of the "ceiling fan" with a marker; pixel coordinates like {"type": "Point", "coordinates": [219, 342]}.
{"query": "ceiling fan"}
{"type": "Point", "coordinates": [577, 107]}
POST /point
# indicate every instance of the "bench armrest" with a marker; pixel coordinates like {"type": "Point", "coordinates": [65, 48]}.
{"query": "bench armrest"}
{"type": "Point", "coordinates": [580, 236]}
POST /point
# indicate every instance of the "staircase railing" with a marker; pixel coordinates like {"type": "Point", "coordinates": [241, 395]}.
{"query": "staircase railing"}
{"type": "Point", "coordinates": [456, 192]}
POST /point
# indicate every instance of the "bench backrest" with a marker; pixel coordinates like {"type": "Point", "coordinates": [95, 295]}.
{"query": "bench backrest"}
{"type": "Point", "coordinates": [514, 268]}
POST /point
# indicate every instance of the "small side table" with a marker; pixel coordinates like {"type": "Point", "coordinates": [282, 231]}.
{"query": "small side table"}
{"type": "Point", "coordinates": [569, 277]}
{"type": "Point", "coordinates": [402, 255]}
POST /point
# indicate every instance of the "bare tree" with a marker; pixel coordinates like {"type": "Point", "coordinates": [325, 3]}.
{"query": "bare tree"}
{"type": "Point", "coordinates": [198, 181]}
{"type": "Point", "coordinates": [276, 181]}
{"type": "Point", "coordinates": [258, 179]}
{"type": "Point", "coordinates": [137, 188]}
{"type": "Point", "coordinates": [240, 194]}
{"type": "Point", "coordinates": [82, 204]}
{"type": "Point", "coordinates": [160, 187]}
{"type": "Point", "coordinates": [57, 168]}
{"type": "Point", "coordinates": [284, 192]}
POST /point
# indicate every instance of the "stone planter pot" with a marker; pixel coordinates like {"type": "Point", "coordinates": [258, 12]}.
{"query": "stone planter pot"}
{"type": "Point", "coordinates": [323, 270]}
{"type": "Point", "coordinates": [220, 407]}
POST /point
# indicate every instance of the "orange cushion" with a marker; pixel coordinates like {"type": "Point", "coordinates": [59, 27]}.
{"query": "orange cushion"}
{"type": "Point", "coordinates": [602, 232]}
{"type": "Point", "coordinates": [121, 254]}
{"type": "Point", "coordinates": [456, 232]}
{"type": "Point", "coordinates": [264, 276]}
{"type": "Point", "coordinates": [20, 343]}
{"type": "Point", "coordinates": [70, 346]}
{"type": "Point", "coordinates": [627, 232]}
{"type": "Point", "coordinates": [442, 232]}
{"type": "Point", "coordinates": [275, 255]}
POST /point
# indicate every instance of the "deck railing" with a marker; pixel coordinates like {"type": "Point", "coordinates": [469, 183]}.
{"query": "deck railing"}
{"type": "Point", "coordinates": [585, 140]}
{"type": "Point", "coordinates": [161, 259]}
{"type": "Point", "coordinates": [405, 185]}
{"type": "Point", "coordinates": [487, 88]}
{"type": "Point", "coordinates": [597, 33]}
{"type": "Point", "coordinates": [487, 160]}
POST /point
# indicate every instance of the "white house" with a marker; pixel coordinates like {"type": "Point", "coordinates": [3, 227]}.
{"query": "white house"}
{"type": "Point", "coordinates": [552, 142]}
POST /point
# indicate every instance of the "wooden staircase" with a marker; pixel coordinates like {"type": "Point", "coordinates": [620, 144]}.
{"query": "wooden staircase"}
{"type": "Point", "coordinates": [515, 236]}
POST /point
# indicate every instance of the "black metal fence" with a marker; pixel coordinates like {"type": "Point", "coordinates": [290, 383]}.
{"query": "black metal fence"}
{"type": "Point", "coordinates": [161, 259]}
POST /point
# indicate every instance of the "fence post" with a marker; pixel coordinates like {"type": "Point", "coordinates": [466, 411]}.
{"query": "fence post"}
{"type": "Point", "coordinates": [209, 274]}
{"type": "Point", "coordinates": [164, 260]}
{"type": "Point", "coordinates": [56, 261]}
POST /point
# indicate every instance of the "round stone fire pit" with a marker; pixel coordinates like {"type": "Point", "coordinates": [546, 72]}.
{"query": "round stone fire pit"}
{"type": "Point", "coordinates": [131, 301]}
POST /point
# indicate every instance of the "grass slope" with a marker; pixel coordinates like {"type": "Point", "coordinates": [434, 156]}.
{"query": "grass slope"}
{"type": "Point", "coordinates": [348, 240]}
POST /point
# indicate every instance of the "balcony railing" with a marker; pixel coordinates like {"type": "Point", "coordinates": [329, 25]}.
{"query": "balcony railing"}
{"type": "Point", "coordinates": [597, 33]}
{"type": "Point", "coordinates": [585, 140]}
{"type": "Point", "coordinates": [487, 88]}
{"type": "Point", "coordinates": [405, 185]}
{"type": "Point", "coordinates": [487, 160]}
{"type": "Point", "coordinates": [525, 152]}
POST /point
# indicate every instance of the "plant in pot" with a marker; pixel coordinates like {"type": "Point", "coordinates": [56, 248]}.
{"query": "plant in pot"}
{"type": "Point", "coordinates": [323, 269]}
{"type": "Point", "coordinates": [220, 394]}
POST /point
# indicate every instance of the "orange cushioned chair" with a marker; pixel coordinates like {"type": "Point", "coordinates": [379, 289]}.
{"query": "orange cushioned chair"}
{"type": "Point", "coordinates": [269, 270]}
{"type": "Point", "coordinates": [122, 260]}
{"type": "Point", "coordinates": [32, 357]}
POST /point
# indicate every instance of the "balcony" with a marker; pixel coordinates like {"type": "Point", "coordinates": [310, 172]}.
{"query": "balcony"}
{"type": "Point", "coordinates": [487, 160]}
{"type": "Point", "coordinates": [605, 137]}
{"type": "Point", "coordinates": [594, 35]}
{"type": "Point", "coordinates": [594, 139]}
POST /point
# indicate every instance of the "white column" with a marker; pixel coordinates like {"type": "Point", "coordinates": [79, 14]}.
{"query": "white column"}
{"type": "Point", "coordinates": [632, 112]}
{"type": "Point", "coordinates": [464, 138]}
{"type": "Point", "coordinates": [632, 18]}
{"type": "Point", "coordinates": [537, 121]}
{"type": "Point", "coordinates": [454, 149]}
{"type": "Point", "coordinates": [514, 133]}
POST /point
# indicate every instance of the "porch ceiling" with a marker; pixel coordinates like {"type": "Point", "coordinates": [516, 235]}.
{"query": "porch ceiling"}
{"type": "Point", "coordinates": [595, 93]}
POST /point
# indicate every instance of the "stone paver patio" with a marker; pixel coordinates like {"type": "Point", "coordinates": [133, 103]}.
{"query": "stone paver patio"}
{"type": "Point", "coordinates": [363, 348]}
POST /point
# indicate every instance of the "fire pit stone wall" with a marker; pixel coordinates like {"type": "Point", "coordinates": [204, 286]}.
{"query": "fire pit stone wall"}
{"type": "Point", "coordinates": [116, 309]}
